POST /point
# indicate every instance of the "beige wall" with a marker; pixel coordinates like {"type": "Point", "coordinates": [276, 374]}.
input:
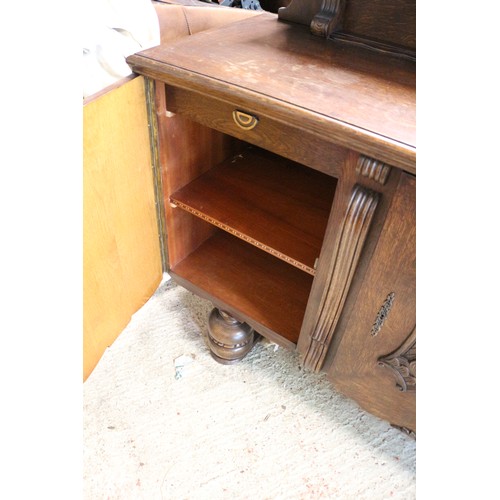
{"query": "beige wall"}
{"type": "Point", "coordinates": [122, 262]}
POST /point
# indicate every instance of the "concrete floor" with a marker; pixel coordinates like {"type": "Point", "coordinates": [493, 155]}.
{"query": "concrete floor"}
{"type": "Point", "coordinates": [260, 429]}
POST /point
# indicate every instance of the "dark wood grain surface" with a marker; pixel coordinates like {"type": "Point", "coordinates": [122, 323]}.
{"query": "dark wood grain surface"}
{"type": "Point", "coordinates": [390, 21]}
{"type": "Point", "coordinates": [392, 270]}
{"type": "Point", "coordinates": [296, 144]}
{"type": "Point", "coordinates": [342, 92]}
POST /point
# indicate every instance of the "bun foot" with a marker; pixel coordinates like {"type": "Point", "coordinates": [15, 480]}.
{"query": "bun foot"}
{"type": "Point", "coordinates": [229, 340]}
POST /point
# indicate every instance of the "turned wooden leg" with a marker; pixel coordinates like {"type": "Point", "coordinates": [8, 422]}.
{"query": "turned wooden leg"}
{"type": "Point", "coordinates": [229, 340]}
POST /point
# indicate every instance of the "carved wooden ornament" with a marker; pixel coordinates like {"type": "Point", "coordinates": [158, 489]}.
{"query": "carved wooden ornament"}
{"type": "Point", "coordinates": [403, 363]}
{"type": "Point", "coordinates": [373, 169]}
{"type": "Point", "coordinates": [328, 18]}
{"type": "Point", "coordinates": [382, 314]}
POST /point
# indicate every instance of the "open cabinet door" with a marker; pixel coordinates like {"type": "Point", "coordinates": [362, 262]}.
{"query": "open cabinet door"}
{"type": "Point", "coordinates": [122, 264]}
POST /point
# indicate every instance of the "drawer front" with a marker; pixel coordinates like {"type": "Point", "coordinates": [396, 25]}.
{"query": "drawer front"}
{"type": "Point", "coordinates": [292, 143]}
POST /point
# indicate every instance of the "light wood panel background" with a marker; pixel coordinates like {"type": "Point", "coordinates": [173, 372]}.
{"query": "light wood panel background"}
{"type": "Point", "coordinates": [122, 260]}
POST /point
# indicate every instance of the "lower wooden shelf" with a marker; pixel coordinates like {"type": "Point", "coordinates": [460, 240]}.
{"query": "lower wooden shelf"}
{"type": "Point", "coordinates": [258, 288]}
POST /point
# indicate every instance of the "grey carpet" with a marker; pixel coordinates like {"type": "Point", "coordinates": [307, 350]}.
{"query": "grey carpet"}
{"type": "Point", "coordinates": [260, 429]}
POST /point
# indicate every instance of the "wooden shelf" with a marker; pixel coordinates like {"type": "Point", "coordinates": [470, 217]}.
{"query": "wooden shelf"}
{"type": "Point", "coordinates": [272, 203]}
{"type": "Point", "coordinates": [264, 291]}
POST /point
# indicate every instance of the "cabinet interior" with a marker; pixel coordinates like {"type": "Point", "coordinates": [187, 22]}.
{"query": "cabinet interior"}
{"type": "Point", "coordinates": [272, 203]}
{"type": "Point", "coordinates": [262, 219]}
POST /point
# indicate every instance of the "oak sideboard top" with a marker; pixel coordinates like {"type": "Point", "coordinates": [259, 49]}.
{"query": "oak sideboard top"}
{"type": "Point", "coordinates": [347, 94]}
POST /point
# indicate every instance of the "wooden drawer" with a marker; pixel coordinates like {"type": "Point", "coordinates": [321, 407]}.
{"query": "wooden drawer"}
{"type": "Point", "coordinates": [292, 143]}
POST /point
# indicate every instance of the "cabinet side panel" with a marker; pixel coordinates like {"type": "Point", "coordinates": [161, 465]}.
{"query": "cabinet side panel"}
{"type": "Point", "coordinates": [186, 150]}
{"type": "Point", "coordinates": [382, 319]}
{"type": "Point", "coordinates": [122, 261]}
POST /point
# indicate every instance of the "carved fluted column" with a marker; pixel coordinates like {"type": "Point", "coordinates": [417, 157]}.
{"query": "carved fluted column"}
{"type": "Point", "coordinates": [354, 230]}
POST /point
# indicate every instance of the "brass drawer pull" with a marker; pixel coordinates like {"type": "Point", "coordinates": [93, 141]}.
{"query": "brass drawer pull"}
{"type": "Point", "coordinates": [244, 120]}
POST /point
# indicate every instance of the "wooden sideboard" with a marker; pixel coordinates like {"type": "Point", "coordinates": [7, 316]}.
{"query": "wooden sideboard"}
{"type": "Point", "coordinates": [287, 163]}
